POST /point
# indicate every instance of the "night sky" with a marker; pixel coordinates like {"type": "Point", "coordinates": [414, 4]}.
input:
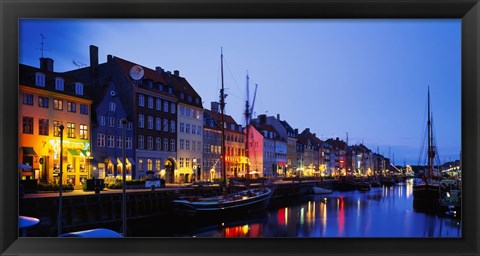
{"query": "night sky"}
{"type": "Point", "coordinates": [367, 78]}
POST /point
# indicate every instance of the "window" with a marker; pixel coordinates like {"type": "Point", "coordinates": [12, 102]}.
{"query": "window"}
{"type": "Point", "coordinates": [111, 141]}
{"type": "Point", "coordinates": [130, 126]}
{"type": "Point", "coordinates": [140, 164]}
{"type": "Point", "coordinates": [181, 162]}
{"type": "Point", "coordinates": [119, 141]}
{"type": "Point", "coordinates": [189, 98]}
{"type": "Point", "coordinates": [28, 125]}
{"type": "Point", "coordinates": [158, 124]}
{"type": "Point", "coordinates": [182, 110]}
{"type": "Point", "coordinates": [79, 88]}
{"type": "Point", "coordinates": [101, 120]}
{"type": "Point", "coordinates": [199, 130]}
{"type": "Point", "coordinates": [140, 121]}
{"type": "Point", "coordinates": [150, 102]}
{"type": "Point", "coordinates": [56, 128]}
{"type": "Point", "coordinates": [150, 142]}
{"type": "Point", "coordinates": [157, 164]}
{"type": "Point", "coordinates": [83, 131]}
{"type": "Point", "coordinates": [158, 143]}
{"type": "Point", "coordinates": [128, 142]}
{"type": "Point", "coordinates": [182, 127]}
{"type": "Point", "coordinates": [165, 106]}
{"type": "Point", "coordinates": [71, 106]}
{"type": "Point", "coordinates": [158, 104]}
{"type": "Point", "coordinates": [101, 140]}
{"type": "Point", "coordinates": [141, 100]}
{"type": "Point", "coordinates": [140, 142]}
{"type": "Point", "coordinates": [165, 125]}
{"type": "Point", "coordinates": [70, 130]}
{"type": "Point", "coordinates": [150, 122]}
{"type": "Point", "coordinates": [83, 109]}
{"type": "Point", "coordinates": [59, 84]}
{"type": "Point", "coordinates": [149, 164]}
{"type": "Point", "coordinates": [172, 126]}
{"type": "Point", "coordinates": [40, 79]}
{"type": "Point", "coordinates": [182, 147]}
{"type": "Point", "coordinates": [187, 162]}
{"type": "Point", "coordinates": [232, 127]}
{"type": "Point", "coordinates": [58, 104]}
{"type": "Point", "coordinates": [194, 129]}
{"type": "Point", "coordinates": [111, 121]}
{"type": "Point", "coordinates": [172, 108]}
{"type": "Point", "coordinates": [165, 144]}
{"type": "Point", "coordinates": [194, 146]}
{"type": "Point", "coordinates": [27, 99]}
{"type": "Point", "coordinates": [42, 102]}
{"type": "Point", "coordinates": [187, 128]}
{"type": "Point", "coordinates": [187, 144]}
{"type": "Point", "coordinates": [43, 127]}
{"type": "Point", "coordinates": [187, 112]}
{"type": "Point", "coordinates": [199, 145]}
{"type": "Point", "coordinates": [119, 123]}
{"type": "Point", "coordinates": [112, 106]}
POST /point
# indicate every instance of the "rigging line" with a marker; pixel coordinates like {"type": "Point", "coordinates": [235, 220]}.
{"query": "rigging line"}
{"type": "Point", "coordinates": [231, 74]}
{"type": "Point", "coordinates": [422, 141]}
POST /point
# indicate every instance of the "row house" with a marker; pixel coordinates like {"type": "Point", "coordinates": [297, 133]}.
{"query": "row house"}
{"type": "Point", "coordinates": [255, 153]}
{"type": "Point", "coordinates": [270, 138]}
{"type": "Point", "coordinates": [363, 160]}
{"type": "Point", "coordinates": [292, 136]}
{"type": "Point", "coordinates": [280, 143]}
{"type": "Point", "coordinates": [189, 126]}
{"type": "Point", "coordinates": [235, 158]}
{"type": "Point", "coordinates": [339, 148]}
{"type": "Point", "coordinates": [326, 164]}
{"type": "Point", "coordinates": [312, 146]}
{"type": "Point", "coordinates": [48, 100]}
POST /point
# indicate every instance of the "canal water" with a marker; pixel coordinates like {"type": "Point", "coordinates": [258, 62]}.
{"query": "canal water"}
{"type": "Point", "coordinates": [380, 212]}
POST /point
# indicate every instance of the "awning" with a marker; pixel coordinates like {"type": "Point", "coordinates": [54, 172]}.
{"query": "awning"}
{"type": "Point", "coordinates": [73, 152]}
{"type": "Point", "coordinates": [131, 161]}
{"type": "Point", "coordinates": [29, 151]}
{"type": "Point", "coordinates": [112, 160]}
{"type": "Point", "coordinates": [120, 161]}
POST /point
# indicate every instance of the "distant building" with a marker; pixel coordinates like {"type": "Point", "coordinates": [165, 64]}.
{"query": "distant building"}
{"type": "Point", "coordinates": [339, 148]}
{"type": "Point", "coordinates": [311, 152]}
{"type": "Point", "coordinates": [48, 99]}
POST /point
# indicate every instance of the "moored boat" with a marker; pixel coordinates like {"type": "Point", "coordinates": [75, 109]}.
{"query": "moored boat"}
{"type": "Point", "coordinates": [363, 186]}
{"type": "Point", "coordinates": [320, 190]}
{"type": "Point", "coordinates": [241, 202]}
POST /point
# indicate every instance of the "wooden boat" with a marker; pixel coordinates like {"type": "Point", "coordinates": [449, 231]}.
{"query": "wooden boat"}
{"type": "Point", "coordinates": [241, 202]}
{"type": "Point", "coordinates": [344, 184]}
{"type": "Point", "coordinates": [320, 190]}
{"type": "Point", "coordinates": [363, 186]}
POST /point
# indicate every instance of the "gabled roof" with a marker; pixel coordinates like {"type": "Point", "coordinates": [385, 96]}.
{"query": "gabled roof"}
{"type": "Point", "coordinates": [181, 85]}
{"type": "Point", "coordinates": [217, 118]}
{"type": "Point", "coordinates": [27, 78]}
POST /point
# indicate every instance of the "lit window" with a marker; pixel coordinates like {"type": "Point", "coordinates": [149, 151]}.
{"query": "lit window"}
{"type": "Point", "coordinates": [43, 102]}
{"type": "Point", "coordinates": [56, 128]}
{"type": "Point", "coordinates": [83, 131]}
{"type": "Point", "coordinates": [58, 104]}
{"type": "Point", "coordinates": [70, 130]}
{"type": "Point", "coordinates": [71, 106]}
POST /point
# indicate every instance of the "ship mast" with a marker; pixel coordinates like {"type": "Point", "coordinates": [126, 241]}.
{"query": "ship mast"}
{"type": "Point", "coordinates": [431, 152]}
{"type": "Point", "coordinates": [247, 128]}
{"type": "Point", "coordinates": [222, 107]}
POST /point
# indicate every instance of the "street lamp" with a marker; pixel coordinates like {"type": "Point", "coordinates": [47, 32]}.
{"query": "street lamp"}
{"type": "Point", "coordinates": [60, 188]}
{"type": "Point", "coordinates": [124, 183]}
{"type": "Point", "coordinates": [88, 164]}
{"type": "Point", "coordinates": [195, 168]}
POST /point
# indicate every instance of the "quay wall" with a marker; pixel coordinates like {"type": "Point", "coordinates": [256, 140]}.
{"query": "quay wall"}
{"type": "Point", "coordinates": [85, 211]}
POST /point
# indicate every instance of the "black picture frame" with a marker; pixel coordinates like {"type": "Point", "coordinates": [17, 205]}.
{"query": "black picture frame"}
{"type": "Point", "coordinates": [11, 11]}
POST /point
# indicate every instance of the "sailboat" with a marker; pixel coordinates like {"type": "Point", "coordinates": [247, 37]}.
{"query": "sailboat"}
{"type": "Point", "coordinates": [248, 200]}
{"type": "Point", "coordinates": [427, 191]}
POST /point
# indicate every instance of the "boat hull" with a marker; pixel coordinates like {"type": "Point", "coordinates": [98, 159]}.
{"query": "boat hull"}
{"type": "Point", "coordinates": [426, 193]}
{"type": "Point", "coordinates": [214, 208]}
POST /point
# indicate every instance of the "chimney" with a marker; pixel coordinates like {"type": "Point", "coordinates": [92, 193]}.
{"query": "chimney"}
{"type": "Point", "coordinates": [176, 73]}
{"type": "Point", "coordinates": [159, 70]}
{"type": "Point", "coordinates": [314, 135]}
{"type": "Point", "coordinates": [296, 131]}
{"type": "Point", "coordinates": [93, 56]}
{"type": "Point", "coordinates": [278, 117]}
{"type": "Point", "coordinates": [307, 129]}
{"type": "Point", "coordinates": [262, 119]}
{"type": "Point", "coordinates": [215, 107]}
{"type": "Point", "coordinates": [46, 64]}
{"type": "Point", "coordinates": [109, 58]}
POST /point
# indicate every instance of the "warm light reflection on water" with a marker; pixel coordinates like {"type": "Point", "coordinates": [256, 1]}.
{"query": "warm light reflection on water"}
{"type": "Point", "coordinates": [380, 212]}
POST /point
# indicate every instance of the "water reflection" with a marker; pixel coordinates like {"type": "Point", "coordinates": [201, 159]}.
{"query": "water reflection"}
{"type": "Point", "coordinates": [380, 212]}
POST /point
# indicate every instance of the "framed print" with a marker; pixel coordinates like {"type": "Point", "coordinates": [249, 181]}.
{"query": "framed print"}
{"type": "Point", "coordinates": [223, 127]}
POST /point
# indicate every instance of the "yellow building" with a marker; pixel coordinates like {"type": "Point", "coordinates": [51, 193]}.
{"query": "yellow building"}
{"type": "Point", "coordinates": [48, 100]}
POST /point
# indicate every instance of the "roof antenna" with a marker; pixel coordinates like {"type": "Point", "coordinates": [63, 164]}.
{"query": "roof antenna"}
{"type": "Point", "coordinates": [42, 44]}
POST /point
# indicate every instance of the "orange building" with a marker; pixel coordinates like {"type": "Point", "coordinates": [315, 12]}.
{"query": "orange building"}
{"type": "Point", "coordinates": [47, 100]}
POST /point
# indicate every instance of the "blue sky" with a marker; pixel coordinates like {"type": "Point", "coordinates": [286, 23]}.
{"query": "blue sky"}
{"type": "Point", "coordinates": [367, 78]}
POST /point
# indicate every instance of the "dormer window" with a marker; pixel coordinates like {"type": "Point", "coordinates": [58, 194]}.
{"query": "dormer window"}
{"type": "Point", "coordinates": [189, 98]}
{"type": "Point", "coordinates": [170, 90]}
{"type": "Point", "coordinates": [160, 87]}
{"type": "Point", "coordinates": [197, 100]}
{"type": "Point", "coordinates": [232, 127]}
{"type": "Point", "coordinates": [59, 84]}
{"type": "Point", "coordinates": [182, 96]}
{"type": "Point", "coordinates": [40, 79]}
{"type": "Point", "coordinates": [79, 88]}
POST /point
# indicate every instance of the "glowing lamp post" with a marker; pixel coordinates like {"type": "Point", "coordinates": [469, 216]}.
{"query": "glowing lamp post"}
{"type": "Point", "coordinates": [60, 186]}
